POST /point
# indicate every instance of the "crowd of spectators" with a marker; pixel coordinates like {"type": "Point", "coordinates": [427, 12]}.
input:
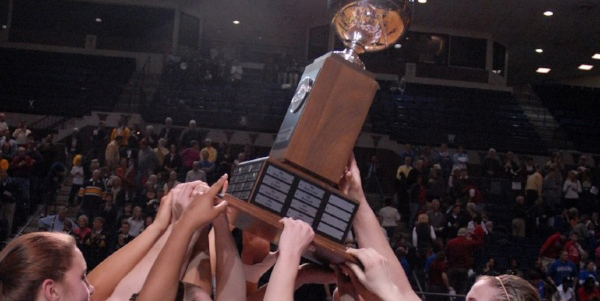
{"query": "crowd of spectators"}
{"type": "Point", "coordinates": [30, 173]}
{"type": "Point", "coordinates": [117, 181]}
{"type": "Point", "coordinates": [440, 226]}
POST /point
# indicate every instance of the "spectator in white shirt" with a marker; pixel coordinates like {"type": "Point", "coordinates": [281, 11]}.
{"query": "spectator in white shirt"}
{"type": "Point", "coordinates": [196, 174]}
{"type": "Point", "coordinates": [571, 189]}
{"type": "Point", "coordinates": [389, 218]}
{"type": "Point", "coordinates": [55, 223]}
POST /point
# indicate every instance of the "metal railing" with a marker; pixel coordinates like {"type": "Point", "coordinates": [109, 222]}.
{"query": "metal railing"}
{"type": "Point", "coordinates": [31, 218]}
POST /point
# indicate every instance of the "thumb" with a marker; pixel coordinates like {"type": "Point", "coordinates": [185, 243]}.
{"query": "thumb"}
{"type": "Point", "coordinates": [221, 207]}
{"type": "Point", "coordinates": [357, 271]}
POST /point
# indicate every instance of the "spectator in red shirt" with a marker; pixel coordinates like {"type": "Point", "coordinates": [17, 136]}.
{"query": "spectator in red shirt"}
{"type": "Point", "coordinates": [21, 167]}
{"type": "Point", "coordinates": [588, 291]}
{"type": "Point", "coordinates": [438, 277]}
{"type": "Point", "coordinates": [551, 248]}
{"type": "Point", "coordinates": [190, 155]}
{"type": "Point", "coordinates": [574, 249]}
{"type": "Point", "coordinates": [459, 254]}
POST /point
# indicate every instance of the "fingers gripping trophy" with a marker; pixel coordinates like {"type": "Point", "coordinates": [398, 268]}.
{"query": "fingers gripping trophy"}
{"type": "Point", "coordinates": [309, 155]}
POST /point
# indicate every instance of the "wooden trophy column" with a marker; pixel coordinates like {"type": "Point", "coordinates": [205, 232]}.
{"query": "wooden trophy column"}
{"type": "Point", "coordinates": [308, 157]}
{"type": "Point", "coordinates": [319, 135]}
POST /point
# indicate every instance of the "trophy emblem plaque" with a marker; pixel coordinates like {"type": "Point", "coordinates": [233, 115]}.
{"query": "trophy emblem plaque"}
{"type": "Point", "coordinates": [310, 152]}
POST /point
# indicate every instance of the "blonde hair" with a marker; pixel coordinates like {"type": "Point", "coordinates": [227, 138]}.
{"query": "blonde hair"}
{"type": "Point", "coordinates": [30, 259]}
{"type": "Point", "coordinates": [77, 159]}
{"type": "Point", "coordinates": [513, 288]}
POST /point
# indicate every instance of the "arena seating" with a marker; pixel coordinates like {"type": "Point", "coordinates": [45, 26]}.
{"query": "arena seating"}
{"type": "Point", "coordinates": [247, 106]}
{"type": "Point", "coordinates": [576, 110]}
{"type": "Point", "coordinates": [479, 119]}
{"type": "Point", "coordinates": [424, 114]}
{"type": "Point", "coordinates": [64, 84]}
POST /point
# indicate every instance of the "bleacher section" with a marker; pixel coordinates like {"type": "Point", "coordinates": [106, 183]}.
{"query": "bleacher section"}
{"type": "Point", "coordinates": [247, 106]}
{"type": "Point", "coordinates": [64, 84]}
{"type": "Point", "coordinates": [577, 110]}
{"type": "Point", "coordinates": [423, 114]}
{"type": "Point", "coordinates": [479, 119]}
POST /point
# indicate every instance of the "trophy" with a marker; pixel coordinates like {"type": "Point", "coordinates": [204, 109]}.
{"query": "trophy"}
{"type": "Point", "coordinates": [310, 152]}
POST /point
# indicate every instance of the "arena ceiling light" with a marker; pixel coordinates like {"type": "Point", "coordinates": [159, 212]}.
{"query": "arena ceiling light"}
{"type": "Point", "coordinates": [585, 67]}
{"type": "Point", "coordinates": [548, 13]}
{"type": "Point", "coordinates": [539, 50]}
{"type": "Point", "coordinates": [422, 1]}
{"type": "Point", "coordinates": [542, 70]}
{"type": "Point", "coordinates": [236, 22]}
{"type": "Point", "coordinates": [98, 20]}
{"type": "Point", "coordinates": [596, 56]}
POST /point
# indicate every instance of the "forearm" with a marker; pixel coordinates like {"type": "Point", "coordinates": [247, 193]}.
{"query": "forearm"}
{"type": "Point", "coordinates": [282, 281]}
{"type": "Point", "coordinates": [259, 294]}
{"type": "Point", "coordinates": [107, 275]}
{"type": "Point", "coordinates": [163, 279]}
{"type": "Point", "coordinates": [369, 235]}
{"type": "Point", "coordinates": [231, 282]}
{"type": "Point", "coordinates": [445, 280]}
{"type": "Point", "coordinates": [391, 295]}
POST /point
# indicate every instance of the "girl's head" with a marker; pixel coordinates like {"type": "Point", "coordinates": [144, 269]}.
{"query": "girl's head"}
{"type": "Point", "coordinates": [43, 265]}
{"type": "Point", "coordinates": [502, 288]}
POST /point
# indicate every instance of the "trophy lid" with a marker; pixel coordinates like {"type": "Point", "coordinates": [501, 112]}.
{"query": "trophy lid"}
{"type": "Point", "coordinates": [370, 25]}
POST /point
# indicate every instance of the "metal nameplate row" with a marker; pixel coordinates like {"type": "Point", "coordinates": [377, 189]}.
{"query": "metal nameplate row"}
{"type": "Point", "coordinates": [287, 194]}
{"type": "Point", "coordinates": [243, 179]}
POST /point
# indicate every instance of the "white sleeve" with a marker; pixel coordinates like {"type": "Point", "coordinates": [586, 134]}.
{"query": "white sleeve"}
{"type": "Point", "coordinates": [432, 233]}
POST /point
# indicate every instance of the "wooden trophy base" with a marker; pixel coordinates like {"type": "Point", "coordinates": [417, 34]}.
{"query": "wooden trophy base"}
{"type": "Point", "coordinates": [264, 190]}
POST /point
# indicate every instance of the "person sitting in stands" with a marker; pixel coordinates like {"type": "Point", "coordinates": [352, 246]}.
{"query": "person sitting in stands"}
{"type": "Point", "coordinates": [189, 134]}
{"type": "Point", "coordinates": [161, 151]}
{"type": "Point", "coordinates": [123, 131]}
{"type": "Point", "coordinates": [96, 244]}
{"type": "Point", "coordinates": [168, 132]}
{"type": "Point", "coordinates": [588, 291]}
{"type": "Point", "coordinates": [189, 155]}
{"type": "Point", "coordinates": [111, 154]}
{"type": "Point", "coordinates": [562, 268]}
{"type": "Point", "coordinates": [196, 174]}
{"type": "Point", "coordinates": [491, 165]}
{"type": "Point", "coordinates": [212, 152]}
{"type": "Point", "coordinates": [91, 195]}
{"type": "Point", "coordinates": [576, 252]}
{"type": "Point", "coordinates": [460, 159]}
{"type": "Point", "coordinates": [54, 223]}
{"type": "Point", "coordinates": [82, 232]}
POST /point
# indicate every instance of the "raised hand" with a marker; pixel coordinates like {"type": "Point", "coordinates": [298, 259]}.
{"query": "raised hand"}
{"type": "Point", "coordinates": [295, 238]}
{"type": "Point", "coordinates": [350, 183]}
{"type": "Point", "coordinates": [201, 209]}
{"type": "Point", "coordinates": [376, 276]}
{"type": "Point", "coordinates": [163, 216]}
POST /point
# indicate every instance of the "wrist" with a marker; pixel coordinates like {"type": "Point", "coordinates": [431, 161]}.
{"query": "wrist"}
{"type": "Point", "coordinates": [290, 257]}
{"type": "Point", "coordinates": [390, 295]}
{"type": "Point", "coordinates": [188, 224]}
{"type": "Point", "coordinates": [159, 228]}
